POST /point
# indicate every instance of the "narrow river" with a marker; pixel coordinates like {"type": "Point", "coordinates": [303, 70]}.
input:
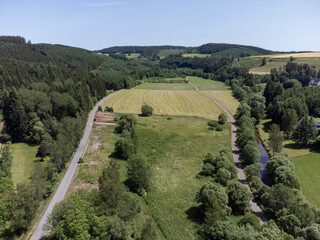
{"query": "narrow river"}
{"type": "Point", "coordinates": [264, 157]}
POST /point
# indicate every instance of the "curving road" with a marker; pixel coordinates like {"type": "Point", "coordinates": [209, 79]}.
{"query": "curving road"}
{"type": "Point", "coordinates": [67, 179]}
{"type": "Point", "coordinates": [241, 176]}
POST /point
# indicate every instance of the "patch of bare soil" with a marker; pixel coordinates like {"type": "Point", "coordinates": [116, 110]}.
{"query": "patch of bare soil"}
{"type": "Point", "coordinates": [92, 163]}
{"type": "Point", "coordinates": [80, 184]}
{"type": "Point", "coordinates": [95, 144]}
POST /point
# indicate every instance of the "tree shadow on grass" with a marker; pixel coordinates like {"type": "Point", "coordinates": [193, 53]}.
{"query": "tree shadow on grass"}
{"type": "Point", "coordinates": [314, 147]}
{"type": "Point", "coordinates": [195, 214]}
{"type": "Point", "coordinates": [266, 126]}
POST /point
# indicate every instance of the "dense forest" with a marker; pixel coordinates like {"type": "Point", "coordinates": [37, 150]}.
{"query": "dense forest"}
{"type": "Point", "coordinates": [46, 94]}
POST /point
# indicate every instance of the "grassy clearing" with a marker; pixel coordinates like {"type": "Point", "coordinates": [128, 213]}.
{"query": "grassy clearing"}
{"type": "Point", "coordinates": [24, 156]}
{"type": "Point", "coordinates": [167, 52]}
{"type": "Point", "coordinates": [132, 55]}
{"type": "Point", "coordinates": [165, 86]}
{"type": "Point", "coordinates": [186, 103]}
{"type": "Point", "coordinates": [307, 168]}
{"type": "Point", "coordinates": [176, 148]}
{"type": "Point", "coordinates": [226, 99]}
{"type": "Point", "coordinates": [207, 84]}
{"type": "Point", "coordinates": [199, 55]}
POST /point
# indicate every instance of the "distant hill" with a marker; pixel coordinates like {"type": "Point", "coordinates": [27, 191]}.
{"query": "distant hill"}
{"type": "Point", "coordinates": [217, 49]}
{"type": "Point", "coordinates": [234, 50]}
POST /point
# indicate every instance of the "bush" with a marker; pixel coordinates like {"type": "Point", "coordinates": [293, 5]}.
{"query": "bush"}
{"type": "Point", "coordinates": [108, 109]}
{"type": "Point", "coordinates": [99, 108]}
{"type": "Point", "coordinates": [124, 148]}
{"type": "Point", "coordinates": [146, 110]}
{"type": "Point", "coordinates": [80, 160]}
{"type": "Point", "coordinates": [219, 129]}
{"type": "Point", "coordinates": [207, 170]}
{"type": "Point", "coordinates": [213, 124]}
{"type": "Point", "coordinates": [222, 119]}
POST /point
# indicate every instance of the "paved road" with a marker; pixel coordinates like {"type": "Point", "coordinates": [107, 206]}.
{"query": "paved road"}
{"type": "Point", "coordinates": [241, 176]}
{"type": "Point", "coordinates": [66, 181]}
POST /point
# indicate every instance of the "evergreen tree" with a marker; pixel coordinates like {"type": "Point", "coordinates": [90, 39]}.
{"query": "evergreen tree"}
{"type": "Point", "coordinates": [275, 139]}
{"type": "Point", "coordinates": [110, 188]}
{"type": "Point", "coordinates": [306, 131]}
{"type": "Point", "coordinates": [15, 117]}
{"type": "Point", "coordinates": [289, 122]}
{"type": "Point", "coordinates": [138, 174]}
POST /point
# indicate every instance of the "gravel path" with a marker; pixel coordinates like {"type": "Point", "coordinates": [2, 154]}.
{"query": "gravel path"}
{"type": "Point", "coordinates": [241, 175]}
{"type": "Point", "coordinates": [67, 179]}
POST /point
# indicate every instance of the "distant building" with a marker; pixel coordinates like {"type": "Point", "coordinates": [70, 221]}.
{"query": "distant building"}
{"type": "Point", "coordinates": [315, 81]}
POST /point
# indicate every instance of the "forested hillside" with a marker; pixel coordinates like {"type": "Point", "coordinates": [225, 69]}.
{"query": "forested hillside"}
{"type": "Point", "coordinates": [46, 93]}
{"type": "Point", "coordinates": [217, 49]}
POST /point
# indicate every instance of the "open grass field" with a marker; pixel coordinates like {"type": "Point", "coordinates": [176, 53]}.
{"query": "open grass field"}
{"type": "Point", "coordinates": [132, 55]}
{"type": "Point", "coordinates": [307, 168]}
{"type": "Point", "coordinates": [225, 98]}
{"type": "Point", "coordinates": [199, 55]}
{"type": "Point", "coordinates": [186, 103]}
{"type": "Point", "coordinates": [165, 86]}
{"type": "Point", "coordinates": [279, 61]}
{"type": "Point", "coordinates": [208, 85]}
{"type": "Point", "coordinates": [176, 149]}
{"type": "Point", "coordinates": [167, 52]}
{"type": "Point", "coordinates": [24, 156]}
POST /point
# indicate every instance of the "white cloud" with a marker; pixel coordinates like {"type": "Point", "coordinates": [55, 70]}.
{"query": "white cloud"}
{"type": "Point", "coordinates": [103, 4]}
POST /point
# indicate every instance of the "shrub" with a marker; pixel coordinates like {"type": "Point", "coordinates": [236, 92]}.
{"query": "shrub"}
{"type": "Point", "coordinates": [213, 124]}
{"type": "Point", "coordinates": [219, 129]}
{"type": "Point", "coordinates": [99, 108]}
{"type": "Point", "coordinates": [146, 110]}
{"type": "Point", "coordinates": [80, 160]}
{"type": "Point", "coordinates": [108, 109]}
{"type": "Point", "coordinates": [124, 148]}
{"type": "Point", "coordinates": [222, 119]}
{"type": "Point", "coordinates": [207, 169]}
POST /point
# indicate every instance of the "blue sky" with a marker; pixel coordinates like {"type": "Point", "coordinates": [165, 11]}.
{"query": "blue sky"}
{"type": "Point", "coordinates": [282, 25]}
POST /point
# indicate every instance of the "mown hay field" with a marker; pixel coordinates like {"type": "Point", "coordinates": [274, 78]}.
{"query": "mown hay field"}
{"type": "Point", "coordinates": [295, 55]}
{"type": "Point", "coordinates": [225, 98]}
{"type": "Point", "coordinates": [279, 61]}
{"type": "Point", "coordinates": [185, 103]}
{"type": "Point", "coordinates": [208, 84]}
